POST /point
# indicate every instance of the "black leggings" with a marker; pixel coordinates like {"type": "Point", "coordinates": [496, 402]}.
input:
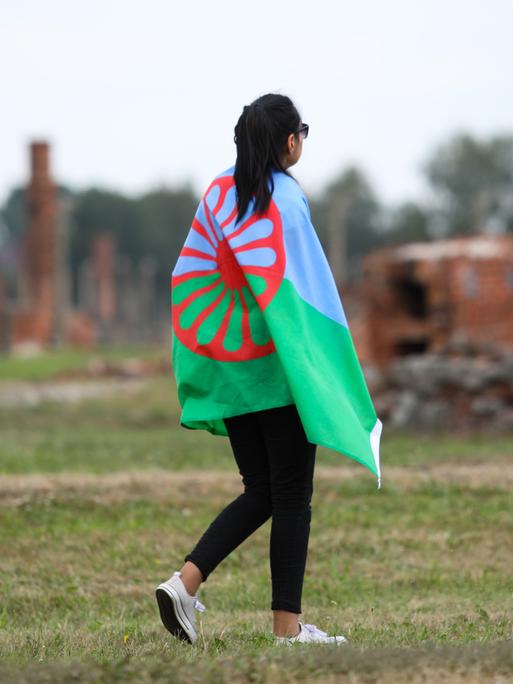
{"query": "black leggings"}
{"type": "Point", "coordinates": [276, 462]}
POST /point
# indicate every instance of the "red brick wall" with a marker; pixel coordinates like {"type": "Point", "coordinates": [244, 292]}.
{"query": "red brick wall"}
{"type": "Point", "coordinates": [466, 292]}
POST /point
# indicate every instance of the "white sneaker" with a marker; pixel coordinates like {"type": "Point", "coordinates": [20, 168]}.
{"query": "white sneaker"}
{"type": "Point", "coordinates": [310, 634]}
{"type": "Point", "coordinates": [177, 607]}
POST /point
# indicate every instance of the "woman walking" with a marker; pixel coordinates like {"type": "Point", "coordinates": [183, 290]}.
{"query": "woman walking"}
{"type": "Point", "coordinates": [262, 354]}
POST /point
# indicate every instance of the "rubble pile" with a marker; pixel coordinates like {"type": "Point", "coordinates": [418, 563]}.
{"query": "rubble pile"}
{"type": "Point", "coordinates": [463, 385]}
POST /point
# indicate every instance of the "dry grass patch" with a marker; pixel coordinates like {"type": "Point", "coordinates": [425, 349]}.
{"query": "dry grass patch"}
{"type": "Point", "coordinates": [162, 484]}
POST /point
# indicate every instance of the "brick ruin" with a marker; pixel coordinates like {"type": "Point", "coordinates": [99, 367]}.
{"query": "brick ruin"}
{"type": "Point", "coordinates": [417, 297]}
{"type": "Point", "coordinates": [103, 264]}
{"type": "Point", "coordinates": [117, 295]}
{"type": "Point", "coordinates": [97, 285]}
{"type": "Point", "coordinates": [432, 323]}
{"type": "Point", "coordinates": [34, 318]}
{"type": "Point", "coordinates": [116, 299]}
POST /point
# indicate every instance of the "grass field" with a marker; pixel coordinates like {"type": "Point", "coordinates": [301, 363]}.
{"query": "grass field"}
{"type": "Point", "coordinates": [53, 362]}
{"type": "Point", "coordinates": [100, 500]}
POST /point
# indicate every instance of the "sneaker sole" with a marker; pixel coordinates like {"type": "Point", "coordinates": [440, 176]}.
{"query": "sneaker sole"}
{"type": "Point", "coordinates": [307, 643]}
{"type": "Point", "coordinates": [173, 615]}
{"type": "Point", "coordinates": [310, 643]}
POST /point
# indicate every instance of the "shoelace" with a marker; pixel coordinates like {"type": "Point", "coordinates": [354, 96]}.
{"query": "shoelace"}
{"type": "Point", "coordinates": [199, 606]}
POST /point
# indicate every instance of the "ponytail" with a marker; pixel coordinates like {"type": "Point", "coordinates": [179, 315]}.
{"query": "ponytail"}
{"type": "Point", "coordinates": [261, 135]}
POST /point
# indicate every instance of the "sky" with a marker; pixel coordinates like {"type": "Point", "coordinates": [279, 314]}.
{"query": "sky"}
{"type": "Point", "coordinates": [133, 95]}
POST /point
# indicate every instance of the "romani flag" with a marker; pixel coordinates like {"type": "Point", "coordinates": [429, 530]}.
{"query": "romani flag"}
{"type": "Point", "coordinates": [257, 323]}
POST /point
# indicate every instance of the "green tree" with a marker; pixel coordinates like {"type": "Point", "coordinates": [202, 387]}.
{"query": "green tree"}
{"type": "Point", "coordinates": [409, 222]}
{"type": "Point", "coordinates": [166, 216]}
{"type": "Point", "coordinates": [14, 210]}
{"type": "Point", "coordinates": [472, 183]}
{"type": "Point", "coordinates": [348, 220]}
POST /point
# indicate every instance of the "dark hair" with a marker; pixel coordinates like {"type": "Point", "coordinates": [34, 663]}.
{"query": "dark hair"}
{"type": "Point", "coordinates": [260, 135]}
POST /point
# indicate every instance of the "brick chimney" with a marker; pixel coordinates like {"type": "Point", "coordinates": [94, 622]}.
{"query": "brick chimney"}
{"type": "Point", "coordinates": [35, 319]}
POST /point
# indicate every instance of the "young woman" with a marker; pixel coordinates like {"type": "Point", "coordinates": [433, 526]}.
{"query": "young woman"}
{"type": "Point", "coordinates": [231, 361]}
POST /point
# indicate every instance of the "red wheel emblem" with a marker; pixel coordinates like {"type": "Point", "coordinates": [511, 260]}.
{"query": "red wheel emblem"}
{"type": "Point", "coordinates": [226, 274]}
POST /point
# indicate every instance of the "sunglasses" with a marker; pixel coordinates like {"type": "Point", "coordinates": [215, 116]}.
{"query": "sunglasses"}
{"type": "Point", "coordinates": [303, 131]}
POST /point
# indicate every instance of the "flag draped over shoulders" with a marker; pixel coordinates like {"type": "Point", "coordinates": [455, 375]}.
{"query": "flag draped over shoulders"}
{"type": "Point", "coordinates": [257, 322]}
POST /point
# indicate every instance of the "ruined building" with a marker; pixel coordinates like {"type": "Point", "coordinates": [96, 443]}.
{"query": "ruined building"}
{"type": "Point", "coordinates": [116, 298]}
{"type": "Point", "coordinates": [417, 297]}
{"type": "Point", "coordinates": [34, 318]}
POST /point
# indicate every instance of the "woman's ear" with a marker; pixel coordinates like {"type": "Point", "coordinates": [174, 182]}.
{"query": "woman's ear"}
{"type": "Point", "coordinates": [291, 143]}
